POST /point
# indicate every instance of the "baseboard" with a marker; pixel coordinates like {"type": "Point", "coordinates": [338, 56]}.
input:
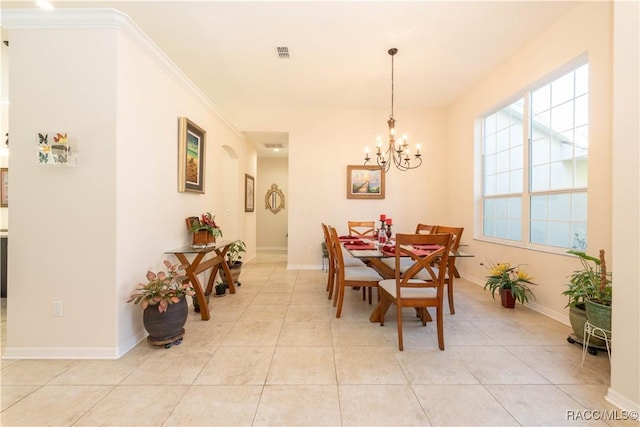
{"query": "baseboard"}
{"type": "Point", "coordinates": [560, 317]}
{"type": "Point", "coordinates": [271, 248]}
{"type": "Point", "coordinates": [61, 353]}
{"type": "Point", "coordinates": [618, 400]}
{"type": "Point", "coordinates": [304, 267]}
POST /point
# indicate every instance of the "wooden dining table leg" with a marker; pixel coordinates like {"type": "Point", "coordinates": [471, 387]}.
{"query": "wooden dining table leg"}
{"type": "Point", "coordinates": [451, 272]}
{"type": "Point", "coordinates": [380, 310]}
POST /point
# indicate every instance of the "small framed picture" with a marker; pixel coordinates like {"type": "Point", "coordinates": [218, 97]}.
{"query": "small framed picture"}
{"type": "Point", "coordinates": [364, 182]}
{"type": "Point", "coordinates": [4, 187]}
{"type": "Point", "coordinates": [191, 156]}
{"type": "Point", "coordinates": [249, 193]}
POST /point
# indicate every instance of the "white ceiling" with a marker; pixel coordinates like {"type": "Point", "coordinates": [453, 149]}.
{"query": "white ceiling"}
{"type": "Point", "coordinates": [338, 50]}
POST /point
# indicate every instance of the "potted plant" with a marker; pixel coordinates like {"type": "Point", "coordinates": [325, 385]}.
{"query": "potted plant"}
{"type": "Point", "coordinates": [511, 282]}
{"type": "Point", "coordinates": [234, 261]}
{"type": "Point", "coordinates": [591, 288]}
{"type": "Point", "coordinates": [221, 289]}
{"type": "Point", "coordinates": [204, 229]}
{"type": "Point", "coordinates": [164, 304]}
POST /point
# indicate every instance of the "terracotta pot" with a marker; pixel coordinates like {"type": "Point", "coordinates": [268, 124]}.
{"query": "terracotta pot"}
{"type": "Point", "coordinates": [203, 238]}
{"type": "Point", "coordinates": [168, 324]}
{"type": "Point", "coordinates": [507, 298]}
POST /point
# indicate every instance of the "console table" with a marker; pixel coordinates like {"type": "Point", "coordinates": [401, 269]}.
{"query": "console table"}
{"type": "Point", "coordinates": [198, 264]}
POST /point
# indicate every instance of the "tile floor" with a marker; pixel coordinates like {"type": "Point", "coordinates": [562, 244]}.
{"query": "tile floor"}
{"type": "Point", "coordinates": [273, 354]}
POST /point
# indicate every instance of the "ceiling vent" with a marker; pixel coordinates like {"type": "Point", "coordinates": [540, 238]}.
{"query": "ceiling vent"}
{"type": "Point", "coordinates": [283, 52]}
{"type": "Point", "coordinates": [273, 145]}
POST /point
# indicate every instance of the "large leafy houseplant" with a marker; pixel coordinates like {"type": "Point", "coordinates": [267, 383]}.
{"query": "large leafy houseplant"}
{"type": "Point", "coordinates": [591, 282]}
{"type": "Point", "coordinates": [504, 277]}
{"type": "Point", "coordinates": [162, 288]}
{"type": "Point", "coordinates": [591, 288]}
{"type": "Point", "coordinates": [234, 262]}
{"type": "Point", "coordinates": [234, 254]}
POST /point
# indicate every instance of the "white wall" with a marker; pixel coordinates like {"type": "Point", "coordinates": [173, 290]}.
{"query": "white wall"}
{"type": "Point", "coordinates": [4, 118]}
{"type": "Point", "coordinates": [625, 369]}
{"type": "Point", "coordinates": [272, 228]}
{"type": "Point", "coordinates": [102, 225]}
{"type": "Point", "coordinates": [586, 29]}
{"type": "Point", "coordinates": [62, 219]}
{"type": "Point", "coordinates": [321, 145]}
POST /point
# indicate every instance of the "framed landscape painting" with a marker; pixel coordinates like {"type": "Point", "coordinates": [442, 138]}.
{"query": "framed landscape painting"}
{"type": "Point", "coordinates": [365, 182]}
{"type": "Point", "coordinates": [191, 156]}
{"type": "Point", "coordinates": [4, 187]}
{"type": "Point", "coordinates": [249, 193]}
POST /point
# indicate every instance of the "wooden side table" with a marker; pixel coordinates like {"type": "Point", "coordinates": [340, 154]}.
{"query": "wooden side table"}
{"type": "Point", "coordinates": [198, 264]}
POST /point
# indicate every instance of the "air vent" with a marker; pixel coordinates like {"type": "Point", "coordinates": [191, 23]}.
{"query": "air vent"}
{"type": "Point", "coordinates": [283, 52]}
{"type": "Point", "coordinates": [272, 145]}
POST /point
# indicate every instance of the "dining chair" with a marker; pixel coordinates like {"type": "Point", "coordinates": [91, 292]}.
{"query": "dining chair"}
{"type": "Point", "coordinates": [348, 260]}
{"type": "Point", "coordinates": [421, 285]}
{"type": "Point", "coordinates": [425, 228]}
{"type": "Point", "coordinates": [361, 228]}
{"type": "Point", "coordinates": [359, 276]}
{"type": "Point", "coordinates": [452, 272]}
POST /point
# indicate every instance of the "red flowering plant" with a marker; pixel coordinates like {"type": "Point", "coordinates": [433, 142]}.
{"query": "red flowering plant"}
{"type": "Point", "coordinates": [162, 288]}
{"type": "Point", "coordinates": [206, 222]}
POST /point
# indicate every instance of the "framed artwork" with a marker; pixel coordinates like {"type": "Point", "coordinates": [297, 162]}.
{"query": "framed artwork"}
{"type": "Point", "coordinates": [365, 182]}
{"type": "Point", "coordinates": [191, 156]}
{"type": "Point", "coordinates": [249, 192]}
{"type": "Point", "coordinates": [4, 187]}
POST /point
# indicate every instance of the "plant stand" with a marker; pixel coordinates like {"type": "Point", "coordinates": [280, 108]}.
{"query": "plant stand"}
{"type": "Point", "coordinates": [594, 331]}
{"type": "Point", "coordinates": [592, 349]}
{"type": "Point", "coordinates": [167, 342]}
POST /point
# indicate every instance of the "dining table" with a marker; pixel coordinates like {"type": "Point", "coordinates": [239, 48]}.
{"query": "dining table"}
{"type": "Point", "coordinates": [195, 261]}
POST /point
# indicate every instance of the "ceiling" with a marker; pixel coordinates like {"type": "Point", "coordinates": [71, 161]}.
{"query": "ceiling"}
{"type": "Point", "coordinates": [337, 49]}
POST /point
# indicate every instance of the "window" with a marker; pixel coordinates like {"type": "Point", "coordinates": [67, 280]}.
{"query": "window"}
{"type": "Point", "coordinates": [534, 165]}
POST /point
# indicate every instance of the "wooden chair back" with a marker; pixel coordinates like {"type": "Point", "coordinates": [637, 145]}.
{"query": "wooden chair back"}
{"type": "Point", "coordinates": [456, 233]}
{"type": "Point", "coordinates": [361, 228]}
{"type": "Point", "coordinates": [425, 228]}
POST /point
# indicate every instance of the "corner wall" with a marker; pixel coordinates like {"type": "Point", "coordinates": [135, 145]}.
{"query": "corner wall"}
{"type": "Point", "coordinates": [625, 369]}
{"type": "Point", "coordinates": [86, 235]}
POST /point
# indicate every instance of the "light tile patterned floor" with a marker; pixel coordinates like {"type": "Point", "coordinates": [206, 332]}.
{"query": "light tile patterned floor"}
{"type": "Point", "coordinates": [274, 354]}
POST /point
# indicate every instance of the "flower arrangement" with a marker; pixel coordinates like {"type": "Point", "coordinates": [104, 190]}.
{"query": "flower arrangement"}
{"type": "Point", "coordinates": [504, 276]}
{"type": "Point", "coordinates": [162, 288]}
{"type": "Point", "coordinates": [206, 222]}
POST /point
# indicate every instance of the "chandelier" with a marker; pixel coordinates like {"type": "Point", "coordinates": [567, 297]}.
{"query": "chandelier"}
{"type": "Point", "coordinates": [398, 151]}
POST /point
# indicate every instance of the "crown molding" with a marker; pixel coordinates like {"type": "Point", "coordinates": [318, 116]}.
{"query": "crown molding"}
{"type": "Point", "coordinates": [97, 18]}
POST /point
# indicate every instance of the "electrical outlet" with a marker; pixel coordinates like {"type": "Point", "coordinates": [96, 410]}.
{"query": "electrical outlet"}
{"type": "Point", "coordinates": [56, 309]}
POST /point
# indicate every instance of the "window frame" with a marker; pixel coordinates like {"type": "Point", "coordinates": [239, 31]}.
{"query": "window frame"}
{"type": "Point", "coordinates": [527, 193]}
